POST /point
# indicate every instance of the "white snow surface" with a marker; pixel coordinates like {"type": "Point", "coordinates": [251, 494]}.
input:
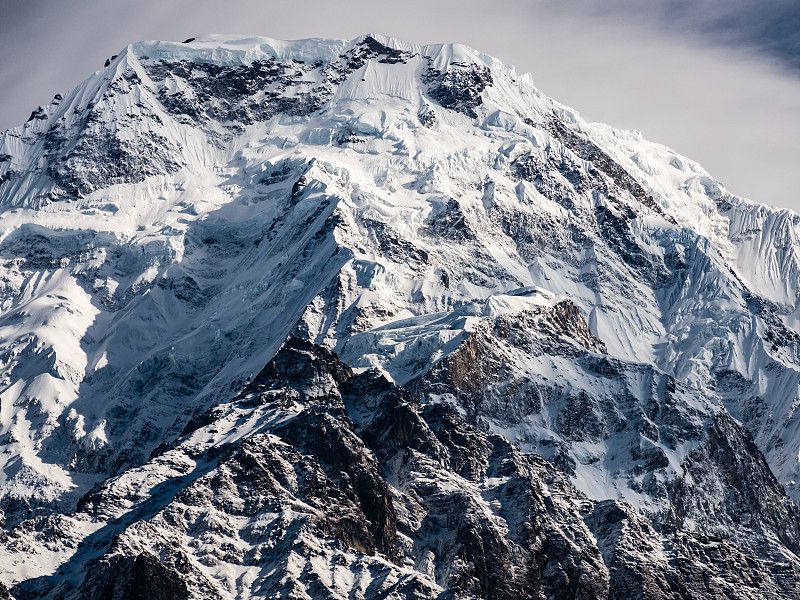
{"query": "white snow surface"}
{"type": "Point", "coordinates": [128, 305]}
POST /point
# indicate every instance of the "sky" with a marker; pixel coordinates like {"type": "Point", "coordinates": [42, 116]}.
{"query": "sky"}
{"type": "Point", "coordinates": [716, 80]}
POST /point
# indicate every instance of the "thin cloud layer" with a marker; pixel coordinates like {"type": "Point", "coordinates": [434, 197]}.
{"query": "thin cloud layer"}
{"type": "Point", "coordinates": [768, 27]}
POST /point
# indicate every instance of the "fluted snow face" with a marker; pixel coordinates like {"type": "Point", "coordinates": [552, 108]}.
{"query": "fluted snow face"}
{"type": "Point", "coordinates": [169, 222]}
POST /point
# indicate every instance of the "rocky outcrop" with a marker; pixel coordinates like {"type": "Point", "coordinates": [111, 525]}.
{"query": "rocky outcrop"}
{"type": "Point", "coordinates": [647, 565]}
{"type": "Point", "coordinates": [727, 490]}
{"type": "Point", "coordinates": [459, 87]}
{"type": "Point", "coordinates": [595, 414]}
{"type": "Point", "coordinates": [132, 578]}
{"type": "Point", "coordinates": [318, 482]}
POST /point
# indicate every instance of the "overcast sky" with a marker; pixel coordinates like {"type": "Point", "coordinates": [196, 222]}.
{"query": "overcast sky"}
{"type": "Point", "coordinates": [717, 80]}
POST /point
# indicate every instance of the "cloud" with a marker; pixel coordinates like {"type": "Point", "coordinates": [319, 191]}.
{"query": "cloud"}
{"type": "Point", "coordinates": [716, 80]}
{"type": "Point", "coordinates": [769, 27]}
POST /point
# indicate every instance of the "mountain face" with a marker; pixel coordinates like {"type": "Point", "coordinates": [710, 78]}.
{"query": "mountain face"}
{"type": "Point", "coordinates": [364, 319]}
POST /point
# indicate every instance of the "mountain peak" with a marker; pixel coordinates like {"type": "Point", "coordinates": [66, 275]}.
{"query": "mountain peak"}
{"type": "Point", "coordinates": [487, 276]}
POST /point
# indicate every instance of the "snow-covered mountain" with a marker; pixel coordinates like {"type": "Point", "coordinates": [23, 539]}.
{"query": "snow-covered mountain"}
{"type": "Point", "coordinates": [468, 276]}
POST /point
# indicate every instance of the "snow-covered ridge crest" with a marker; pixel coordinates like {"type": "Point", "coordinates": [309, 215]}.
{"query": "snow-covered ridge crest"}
{"type": "Point", "coordinates": [239, 50]}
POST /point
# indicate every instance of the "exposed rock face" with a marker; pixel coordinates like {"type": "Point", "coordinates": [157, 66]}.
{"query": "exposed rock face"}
{"type": "Point", "coordinates": [727, 485]}
{"type": "Point", "coordinates": [598, 414]}
{"type": "Point", "coordinates": [590, 152]}
{"type": "Point", "coordinates": [316, 482]}
{"type": "Point", "coordinates": [687, 566]}
{"type": "Point", "coordinates": [527, 356]}
{"type": "Point", "coordinates": [459, 88]}
{"type": "Point", "coordinates": [132, 578]}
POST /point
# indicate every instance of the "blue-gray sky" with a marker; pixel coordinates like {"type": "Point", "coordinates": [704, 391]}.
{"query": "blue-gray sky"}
{"type": "Point", "coordinates": [717, 80]}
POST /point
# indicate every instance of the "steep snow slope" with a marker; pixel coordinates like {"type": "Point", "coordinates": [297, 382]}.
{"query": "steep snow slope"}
{"type": "Point", "coordinates": [167, 224]}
